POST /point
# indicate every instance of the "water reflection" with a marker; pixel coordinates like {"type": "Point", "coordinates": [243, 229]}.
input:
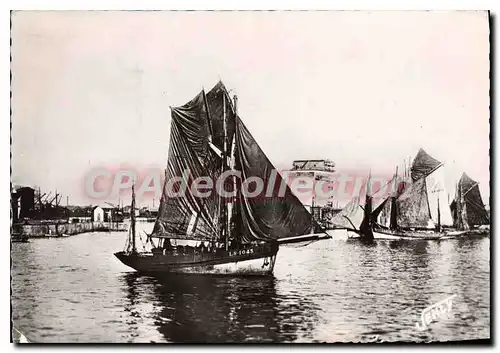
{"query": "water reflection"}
{"type": "Point", "coordinates": [334, 291]}
{"type": "Point", "coordinates": [209, 309]}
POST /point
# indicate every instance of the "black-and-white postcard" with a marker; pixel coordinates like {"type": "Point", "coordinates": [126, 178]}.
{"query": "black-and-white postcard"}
{"type": "Point", "coordinates": [250, 176]}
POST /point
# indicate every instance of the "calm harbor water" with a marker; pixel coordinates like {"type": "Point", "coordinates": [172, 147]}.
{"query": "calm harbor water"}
{"type": "Point", "coordinates": [74, 290]}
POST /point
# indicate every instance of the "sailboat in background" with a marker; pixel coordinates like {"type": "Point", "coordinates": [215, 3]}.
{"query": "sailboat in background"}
{"type": "Point", "coordinates": [468, 209]}
{"type": "Point", "coordinates": [354, 217]}
{"type": "Point", "coordinates": [222, 233]}
{"type": "Point", "coordinates": [421, 210]}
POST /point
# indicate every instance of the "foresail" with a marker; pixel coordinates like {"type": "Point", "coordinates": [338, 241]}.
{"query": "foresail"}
{"type": "Point", "coordinates": [423, 165]}
{"type": "Point", "coordinates": [413, 208]}
{"type": "Point", "coordinates": [351, 216]}
{"type": "Point", "coordinates": [438, 198]}
{"type": "Point", "coordinates": [277, 213]}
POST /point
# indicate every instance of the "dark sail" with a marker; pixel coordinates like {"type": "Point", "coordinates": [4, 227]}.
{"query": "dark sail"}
{"type": "Point", "coordinates": [190, 156]}
{"type": "Point", "coordinates": [423, 165]}
{"type": "Point", "coordinates": [271, 216]}
{"type": "Point", "coordinates": [367, 223]}
{"type": "Point", "coordinates": [413, 207]}
{"type": "Point", "coordinates": [198, 145]}
{"type": "Point", "coordinates": [216, 99]}
{"type": "Point", "coordinates": [469, 206]}
{"type": "Point", "coordinates": [184, 216]}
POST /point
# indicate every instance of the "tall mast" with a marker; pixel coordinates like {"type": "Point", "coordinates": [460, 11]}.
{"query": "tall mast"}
{"type": "Point", "coordinates": [231, 163]}
{"type": "Point", "coordinates": [438, 216]}
{"type": "Point", "coordinates": [224, 161]}
{"type": "Point", "coordinates": [393, 216]}
{"type": "Point", "coordinates": [132, 219]}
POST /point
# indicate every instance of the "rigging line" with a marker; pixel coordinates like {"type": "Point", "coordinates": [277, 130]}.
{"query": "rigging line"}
{"type": "Point", "coordinates": [350, 222]}
{"type": "Point", "coordinates": [472, 187]}
{"type": "Point", "coordinates": [301, 246]}
{"type": "Point", "coordinates": [209, 120]}
{"type": "Point", "coordinates": [432, 171]}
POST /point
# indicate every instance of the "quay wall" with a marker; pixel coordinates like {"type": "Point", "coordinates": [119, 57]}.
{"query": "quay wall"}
{"type": "Point", "coordinates": [54, 230]}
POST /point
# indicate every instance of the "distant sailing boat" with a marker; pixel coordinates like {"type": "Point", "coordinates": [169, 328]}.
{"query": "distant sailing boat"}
{"type": "Point", "coordinates": [354, 217]}
{"type": "Point", "coordinates": [468, 209]}
{"type": "Point", "coordinates": [421, 210]}
{"type": "Point", "coordinates": [232, 234]}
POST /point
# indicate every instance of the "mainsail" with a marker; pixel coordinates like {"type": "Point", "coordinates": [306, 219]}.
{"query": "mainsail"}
{"type": "Point", "coordinates": [469, 207]}
{"type": "Point", "coordinates": [422, 204]}
{"type": "Point", "coordinates": [205, 135]}
{"type": "Point", "coordinates": [413, 207]}
{"type": "Point", "coordinates": [275, 214]}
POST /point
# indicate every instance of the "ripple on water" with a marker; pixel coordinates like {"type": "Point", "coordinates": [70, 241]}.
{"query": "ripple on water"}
{"type": "Point", "coordinates": [328, 291]}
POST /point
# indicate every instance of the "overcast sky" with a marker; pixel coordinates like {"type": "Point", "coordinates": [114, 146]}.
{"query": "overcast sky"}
{"type": "Point", "coordinates": [364, 89]}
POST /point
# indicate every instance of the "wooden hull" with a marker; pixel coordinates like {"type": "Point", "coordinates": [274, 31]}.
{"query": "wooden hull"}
{"type": "Point", "coordinates": [420, 235]}
{"type": "Point", "coordinates": [254, 261]}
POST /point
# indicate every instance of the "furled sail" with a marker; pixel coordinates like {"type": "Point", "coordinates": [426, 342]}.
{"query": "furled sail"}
{"type": "Point", "coordinates": [423, 165]}
{"type": "Point", "coordinates": [413, 207]}
{"type": "Point", "coordinates": [274, 214]}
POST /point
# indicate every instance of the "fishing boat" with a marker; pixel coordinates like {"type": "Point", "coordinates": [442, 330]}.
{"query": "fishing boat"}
{"type": "Point", "coordinates": [234, 231]}
{"type": "Point", "coordinates": [469, 213]}
{"type": "Point", "coordinates": [418, 210]}
{"type": "Point", "coordinates": [354, 215]}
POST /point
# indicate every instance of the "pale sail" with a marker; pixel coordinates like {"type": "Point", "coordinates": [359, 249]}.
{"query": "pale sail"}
{"type": "Point", "coordinates": [437, 195]}
{"type": "Point", "coordinates": [353, 213]}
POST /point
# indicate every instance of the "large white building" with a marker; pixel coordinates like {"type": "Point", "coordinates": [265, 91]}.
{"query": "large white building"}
{"type": "Point", "coordinates": [306, 176]}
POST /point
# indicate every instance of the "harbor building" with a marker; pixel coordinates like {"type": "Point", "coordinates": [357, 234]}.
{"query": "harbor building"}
{"type": "Point", "coordinates": [310, 172]}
